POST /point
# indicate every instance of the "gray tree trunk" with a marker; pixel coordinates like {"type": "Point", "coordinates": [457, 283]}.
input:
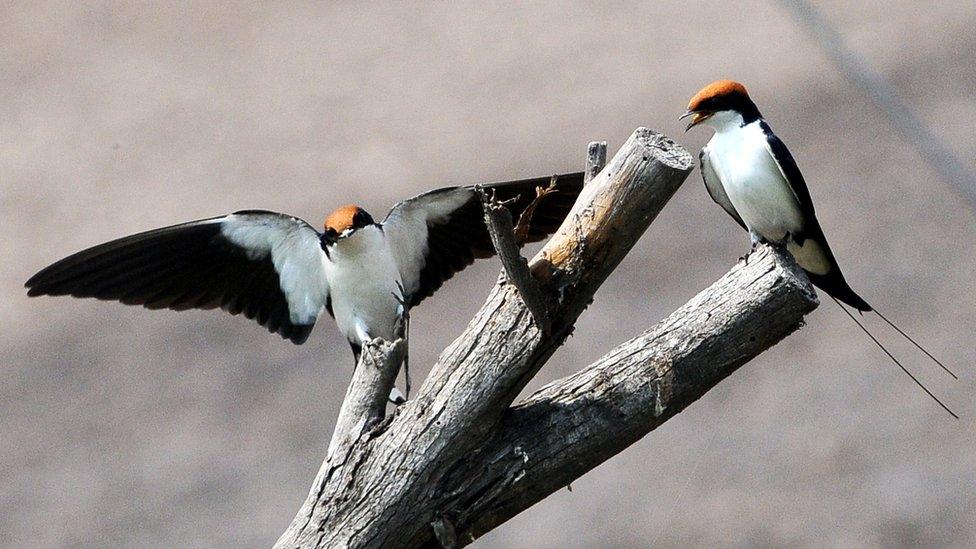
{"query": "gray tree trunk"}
{"type": "Point", "coordinates": [461, 458]}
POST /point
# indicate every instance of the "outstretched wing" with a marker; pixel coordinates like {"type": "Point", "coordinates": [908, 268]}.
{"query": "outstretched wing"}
{"type": "Point", "coordinates": [266, 265]}
{"type": "Point", "coordinates": [714, 187]}
{"type": "Point", "coordinates": [441, 232]}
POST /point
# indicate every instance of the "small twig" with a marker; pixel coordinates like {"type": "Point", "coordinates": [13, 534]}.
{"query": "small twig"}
{"type": "Point", "coordinates": [596, 159]}
{"type": "Point", "coordinates": [525, 219]}
{"type": "Point", "coordinates": [502, 232]}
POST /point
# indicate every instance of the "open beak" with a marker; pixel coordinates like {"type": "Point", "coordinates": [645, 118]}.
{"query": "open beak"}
{"type": "Point", "coordinates": [697, 118]}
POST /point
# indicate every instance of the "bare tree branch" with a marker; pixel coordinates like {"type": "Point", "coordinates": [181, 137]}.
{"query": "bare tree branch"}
{"type": "Point", "coordinates": [459, 459]}
{"type": "Point", "coordinates": [574, 424]}
{"type": "Point", "coordinates": [368, 392]}
{"type": "Point", "coordinates": [389, 475]}
{"type": "Point", "coordinates": [596, 159]}
{"type": "Point", "coordinates": [502, 232]}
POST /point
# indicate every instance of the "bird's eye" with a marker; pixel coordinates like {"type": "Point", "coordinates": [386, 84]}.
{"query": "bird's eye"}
{"type": "Point", "coordinates": [361, 219]}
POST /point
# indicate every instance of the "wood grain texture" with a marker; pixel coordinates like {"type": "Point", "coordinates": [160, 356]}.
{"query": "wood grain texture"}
{"type": "Point", "coordinates": [460, 459]}
{"type": "Point", "coordinates": [365, 403]}
{"type": "Point", "coordinates": [574, 424]}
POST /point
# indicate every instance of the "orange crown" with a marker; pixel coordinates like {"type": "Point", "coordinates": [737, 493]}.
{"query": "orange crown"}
{"type": "Point", "coordinates": [341, 218]}
{"type": "Point", "coordinates": [718, 88]}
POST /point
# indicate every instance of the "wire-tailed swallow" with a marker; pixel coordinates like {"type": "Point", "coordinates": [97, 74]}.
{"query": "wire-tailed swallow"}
{"type": "Point", "coordinates": [750, 173]}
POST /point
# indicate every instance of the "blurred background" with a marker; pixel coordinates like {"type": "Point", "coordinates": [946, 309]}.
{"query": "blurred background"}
{"type": "Point", "coordinates": [124, 427]}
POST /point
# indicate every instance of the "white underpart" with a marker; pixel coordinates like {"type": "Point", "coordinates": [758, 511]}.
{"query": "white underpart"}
{"type": "Point", "coordinates": [363, 276]}
{"type": "Point", "coordinates": [752, 180]}
{"type": "Point", "coordinates": [756, 186]}
{"type": "Point", "coordinates": [810, 256]}
{"type": "Point", "coordinates": [295, 252]}
{"type": "Point", "coordinates": [364, 270]}
{"type": "Point", "coordinates": [362, 273]}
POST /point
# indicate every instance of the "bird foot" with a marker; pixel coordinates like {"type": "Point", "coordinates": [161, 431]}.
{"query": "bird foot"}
{"type": "Point", "coordinates": [755, 240]}
{"type": "Point", "coordinates": [396, 397]}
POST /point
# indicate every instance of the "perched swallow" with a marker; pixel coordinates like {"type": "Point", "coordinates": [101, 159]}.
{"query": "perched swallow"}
{"type": "Point", "coordinates": [282, 272]}
{"type": "Point", "coordinates": [751, 174]}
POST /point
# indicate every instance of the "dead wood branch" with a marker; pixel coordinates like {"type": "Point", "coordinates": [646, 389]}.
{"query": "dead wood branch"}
{"type": "Point", "coordinates": [368, 392]}
{"type": "Point", "coordinates": [574, 424]}
{"type": "Point", "coordinates": [596, 159]}
{"type": "Point", "coordinates": [459, 459]}
{"type": "Point", "coordinates": [503, 238]}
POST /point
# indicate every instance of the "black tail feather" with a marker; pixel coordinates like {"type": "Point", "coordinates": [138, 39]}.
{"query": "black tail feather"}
{"type": "Point", "coordinates": [837, 287]}
{"type": "Point", "coordinates": [917, 346]}
{"type": "Point", "coordinates": [892, 357]}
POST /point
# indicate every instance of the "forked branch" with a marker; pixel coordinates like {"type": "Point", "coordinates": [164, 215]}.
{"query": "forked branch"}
{"type": "Point", "coordinates": [572, 425]}
{"type": "Point", "coordinates": [459, 459]}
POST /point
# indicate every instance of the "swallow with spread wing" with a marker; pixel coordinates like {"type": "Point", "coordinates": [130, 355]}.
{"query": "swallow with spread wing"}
{"type": "Point", "coordinates": [281, 272]}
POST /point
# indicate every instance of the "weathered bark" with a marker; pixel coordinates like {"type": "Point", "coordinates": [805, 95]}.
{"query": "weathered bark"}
{"type": "Point", "coordinates": [574, 424]}
{"type": "Point", "coordinates": [452, 463]}
{"type": "Point", "coordinates": [368, 392]}
{"type": "Point", "coordinates": [596, 159]}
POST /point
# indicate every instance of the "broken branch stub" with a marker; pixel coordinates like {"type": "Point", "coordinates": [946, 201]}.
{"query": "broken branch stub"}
{"type": "Point", "coordinates": [365, 403]}
{"type": "Point", "coordinates": [596, 159]}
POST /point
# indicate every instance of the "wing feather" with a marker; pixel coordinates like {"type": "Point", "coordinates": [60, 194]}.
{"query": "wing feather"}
{"type": "Point", "coordinates": [811, 249]}
{"type": "Point", "coordinates": [439, 233]}
{"type": "Point", "coordinates": [714, 187]}
{"type": "Point", "coordinates": [791, 172]}
{"type": "Point", "coordinates": [264, 265]}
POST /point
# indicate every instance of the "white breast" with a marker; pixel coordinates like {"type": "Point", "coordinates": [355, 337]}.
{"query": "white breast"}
{"type": "Point", "coordinates": [754, 183]}
{"type": "Point", "coordinates": [363, 279]}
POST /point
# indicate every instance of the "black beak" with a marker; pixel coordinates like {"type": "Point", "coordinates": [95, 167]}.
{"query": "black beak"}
{"type": "Point", "coordinates": [328, 238]}
{"type": "Point", "coordinates": [698, 117]}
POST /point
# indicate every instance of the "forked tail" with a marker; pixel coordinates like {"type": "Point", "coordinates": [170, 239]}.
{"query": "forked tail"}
{"type": "Point", "coordinates": [895, 360]}
{"type": "Point", "coordinates": [917, 346]}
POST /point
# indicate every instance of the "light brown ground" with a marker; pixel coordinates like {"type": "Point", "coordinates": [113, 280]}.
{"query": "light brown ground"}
{"type": "Point", "coordinates": [122, 427]}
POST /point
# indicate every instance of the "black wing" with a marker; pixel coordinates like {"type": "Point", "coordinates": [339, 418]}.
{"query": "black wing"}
{"type": "Point", "coordinates": [439, 233]}
{"type": "Point", "coordinates": [791, 172]}
{"type": "Point", "coordinates": [830, 279]}
{"type": "Point", "coordinates": [229, 262]}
